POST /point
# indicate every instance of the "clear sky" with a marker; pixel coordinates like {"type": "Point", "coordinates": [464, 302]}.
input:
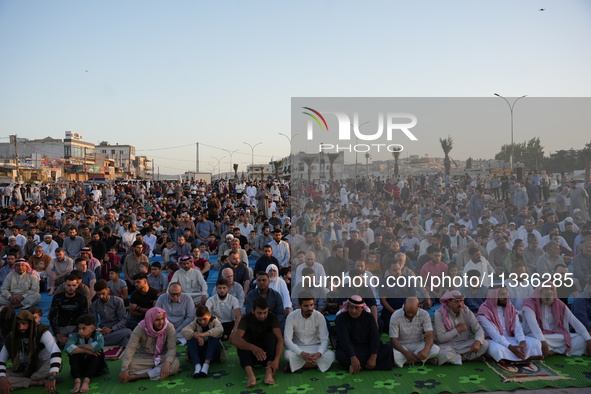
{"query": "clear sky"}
{"type": "Point", "coordinates": [164, 74]}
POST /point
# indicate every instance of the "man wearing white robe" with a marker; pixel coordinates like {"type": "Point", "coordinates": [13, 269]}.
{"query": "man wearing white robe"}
{"type": "Point", "coordinates": [191, 280]}
{"type": "Point", "coordinates": [306, 338]}
{"type": "Point", "coordinates": [548, 320]}
{"type": "Point", "coordinates": [501, 324]}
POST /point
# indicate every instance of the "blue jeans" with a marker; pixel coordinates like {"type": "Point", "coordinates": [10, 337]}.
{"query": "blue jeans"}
{"type": "Point", "coordinates": [209, 351]}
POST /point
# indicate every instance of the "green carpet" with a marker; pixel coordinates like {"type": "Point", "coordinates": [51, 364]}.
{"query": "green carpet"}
{"type": "Point", "coordinates": [229, 378]}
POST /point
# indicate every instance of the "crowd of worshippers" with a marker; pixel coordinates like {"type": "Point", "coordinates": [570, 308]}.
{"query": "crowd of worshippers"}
{"type": "Point", "coordinates": [128, 266]}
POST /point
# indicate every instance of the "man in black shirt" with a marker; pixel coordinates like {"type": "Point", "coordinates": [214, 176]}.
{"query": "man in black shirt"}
{"type": "Point", "coordinates": [143, 298]}
{"type": "Point", "coordinates": [65, 309]}
{"type": "Point", "coordinates": [358, 339]}
{"type": "Point", "coordinates": [258, 339]}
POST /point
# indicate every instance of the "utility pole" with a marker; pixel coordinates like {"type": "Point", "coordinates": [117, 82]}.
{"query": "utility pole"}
{"type": "Point", "coordinates": [14, 140]}
{"type": "Point", "coordinates": [158, 172]}
{"type": "Point", "coordinates": [196, 158]}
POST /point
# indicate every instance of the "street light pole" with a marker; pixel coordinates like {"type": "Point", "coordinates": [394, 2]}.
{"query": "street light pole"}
{"type": "Point", "coordinates": [511, 106]}
{"type": "Point", "coordinates": [219, 160]}
{"type": "Point", "coordinates": [230, 153]}
{"type": "Point", "coordinates": [290, 153]}
{"type": "Point", "coordinates": [356, 143]}
{"type": "Point", "coordinates": [252, 153]}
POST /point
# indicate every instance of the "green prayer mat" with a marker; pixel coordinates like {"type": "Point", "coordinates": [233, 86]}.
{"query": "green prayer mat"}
{"type": "Point", "coordinates": [229, 378]}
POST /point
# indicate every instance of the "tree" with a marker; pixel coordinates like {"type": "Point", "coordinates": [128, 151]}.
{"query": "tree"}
{"type": "Point", "coordinates": [396, 155]}
{"type": "Point", "coordinates": [235, 170]}
{"type": "Point", "coordinates": [530, 153]}
{"type": "Point", "coordinates": [469, 163]}
{"type": "Point", "coordinates": [277, 166]}
{"type": "Point", "coordinates": [309, 159]}
{"type": "Point", "coordinates": [332, 157]}
{"type": "Point", "coordinates": [446, 145]}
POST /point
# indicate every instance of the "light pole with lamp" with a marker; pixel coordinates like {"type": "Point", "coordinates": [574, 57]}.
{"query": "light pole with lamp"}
{"type": "Point", "coordinates": [219, 169]}
{"type": "Point", "coordinates": [290, 153]}
{"type": "Point", "coordinates": [367, 157]}
{"type": "Point", "coordinates": [511, 106]}
{"type": "Point", "coordinates": [356, 143]}
{"type": "Point", "coordinates": [252, 153]}
{"type": "Point", "coordinates": [230, 153]}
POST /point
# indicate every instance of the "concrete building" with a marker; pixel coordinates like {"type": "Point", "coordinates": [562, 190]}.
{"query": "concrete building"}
{"type": "Point", "coordinates": [123, 157]}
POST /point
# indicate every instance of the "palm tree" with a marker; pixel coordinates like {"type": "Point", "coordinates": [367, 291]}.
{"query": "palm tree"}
{"type": "Point", "coordinates": [396, 155]}
{"type": "Point", "coordinates": [332, 157]}
{"type": "Point", "coordinates": [309, 159]}
{"type": "Point", "coordinates": [235, 170]}
{"type": "Point", "coordinates": [446, 145]}
{"type": "Point", "coordinates": [277, 166]}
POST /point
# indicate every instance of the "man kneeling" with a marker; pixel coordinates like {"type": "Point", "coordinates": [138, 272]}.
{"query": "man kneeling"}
{"type": "Point", "coordinates": [203, 341]}
{"type": "Point", "coordinates": [153, 342]}
{"type": "Point", "coordinates": [258, 339]}
{"type": "Point", "coordinates": [306, 337]}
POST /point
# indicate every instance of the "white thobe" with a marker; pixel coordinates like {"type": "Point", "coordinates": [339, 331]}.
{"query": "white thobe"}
{"type": "Point", "coordinates": [308, 335]}
{"type": "Point", "coordinates": [192, 283]}
{"type": "Point", "coordinates": [498, 344]}
{"type": "Point", "coordinates": [556, 342]}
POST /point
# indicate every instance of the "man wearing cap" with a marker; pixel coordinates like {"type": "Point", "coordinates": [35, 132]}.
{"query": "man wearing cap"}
{"type": "Point", "coordinates": [13, 247]}
{"type": "Point", "coordinates": [411, 335]}
{"type": "Point", "coordinates": [454, 325]}
{"type": "Point", "coordinates": [36, 358]}
{"type": "Point", "coordinates": [20, 289]}
{"type": "Point", "coordinates": [49, 245]}
{"type": "Point", "coordinates": [358, 339]}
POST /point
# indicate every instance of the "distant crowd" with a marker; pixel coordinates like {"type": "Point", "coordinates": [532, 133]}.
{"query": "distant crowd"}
{"type": "Point", "coordinates": [127, 266]}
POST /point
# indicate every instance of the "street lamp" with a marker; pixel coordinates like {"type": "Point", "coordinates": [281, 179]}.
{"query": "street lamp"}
{"type": "Point", "coordinates": [511, 106]}
{"type": "Point", "coordinates": [367, 157]}
{"type": "Point", "coordinates": [252, 153]}
{"type": "Point", "coordinates": [230, 153]}
{"type": "Point", "coordinates": [356, 143]}
{"type": "Point", "coordinates": [219, 170]}
{"type": "Point", "coordinates": [290, 153]}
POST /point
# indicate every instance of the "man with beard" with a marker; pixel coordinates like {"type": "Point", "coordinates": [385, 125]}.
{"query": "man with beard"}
{"type": "Point", "coordinates": [151, 350]}
{"type": "Point", "coordinates": [358, 339]}
{"type": "Point", "coordinates": [110, 311]}
{"type": "Point", "coordinates": [306, 338]}
{"type": "Point", "coordinates": [36, 358]}
{"type": "Point", "coordinates": [258, 339]}
{"type": "Point", "coordinates": [548, 320]}
{"type": "Point", "coordinates": [49, 245]}
{"type": "Point", "coordinates": [65, 309]}
{"type": "Point", "coordinates": [73, 244]}
{"type": "Point", "coordinates": [453, 325]}
{"type": "Point", "coordinates": [20, 289]}
{"type": "Point", "coordinates": [500, 321]}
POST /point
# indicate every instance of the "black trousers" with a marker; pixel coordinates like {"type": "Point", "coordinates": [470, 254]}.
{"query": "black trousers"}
{"type": "Point", "coordinates": [269, 345]}
{"type": "Point", "coordinates": [86, 366]}
{"type": "Point", "coordinates": [385, 360]}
